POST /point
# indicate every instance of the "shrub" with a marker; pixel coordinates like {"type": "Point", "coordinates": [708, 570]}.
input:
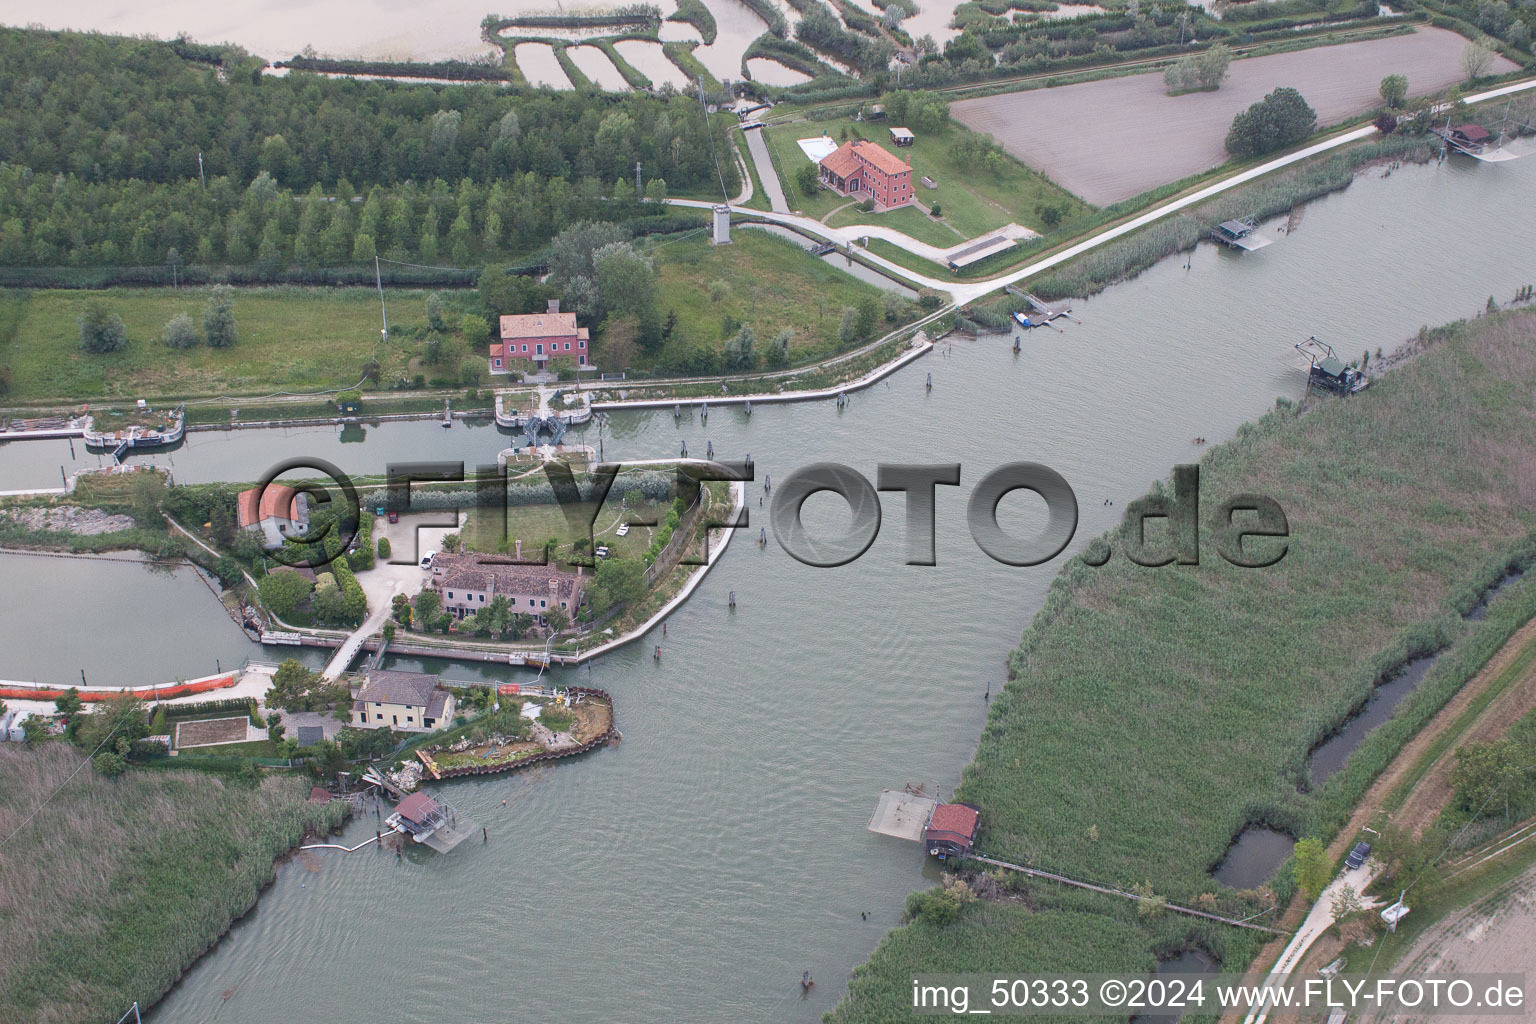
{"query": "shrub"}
{"type": "Point", "coordinates": [180, 332]}
{"type": "Point", "coordinates": [384, 549]}
{"type": "Point", "coordinates": [101, 330]}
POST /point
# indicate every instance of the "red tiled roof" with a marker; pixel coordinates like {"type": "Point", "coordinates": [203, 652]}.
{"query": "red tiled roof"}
{"type": "Point", "coordinates": [879, 157]}
{"type": "Point", "coordinates": [541, 325]}
{"type": "Point", "coordinates": [841, 161]}
{"type": "Point", "coordinates": [956, 818]}
{"type": "Point", "coordinates": [277, 500]}
{"type": "Point", "coordinates": [1472, 132]}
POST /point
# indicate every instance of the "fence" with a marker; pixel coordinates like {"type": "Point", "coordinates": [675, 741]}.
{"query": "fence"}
{"type": "Point", "coordinates": [667, 558]}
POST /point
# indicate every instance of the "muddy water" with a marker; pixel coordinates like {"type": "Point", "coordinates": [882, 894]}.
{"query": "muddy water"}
{"type": "Point", "coordinates": [771, 72]}
{"type": "Point", "coordinates": [1480, 611]}
{"type": "Point", "coordinates": [651, 61]}
{"type": "Point", "coordinates": [594, 63]}
{"type": "Point", "coordinates": [1330, 755]}
{"type": "Point", "coordinates": [539, 65]}
{"type": "Point", "coordinates": [721, 849]}
{"type": "Point", "coordinates": [736, 26]}
{"type": "Point", "coordinates": [1253, 857]}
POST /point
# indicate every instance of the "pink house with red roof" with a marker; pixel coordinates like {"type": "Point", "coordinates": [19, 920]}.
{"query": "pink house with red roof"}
{"type": "Point", "coordinates": [536, 338]}
{"type": "Point", "coordinates": [862, 167]}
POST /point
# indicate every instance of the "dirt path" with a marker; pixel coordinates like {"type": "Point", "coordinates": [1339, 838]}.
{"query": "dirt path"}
{"type": "Point", "coordinates": [1432, 792]}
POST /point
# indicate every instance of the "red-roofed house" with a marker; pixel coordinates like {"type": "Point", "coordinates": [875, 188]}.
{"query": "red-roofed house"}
{"type": "Point", "coordinates": [537, 338]}
{"type": "Point", "coordinates": [275, 513]}
{"type": "Point", "coordinates": [952, 829]}
{"type": "Point", "coordinates": [862, 167]}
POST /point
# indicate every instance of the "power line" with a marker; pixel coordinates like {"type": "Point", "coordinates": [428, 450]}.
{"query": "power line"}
{"type": "Point", "coordinates": [47, 799]}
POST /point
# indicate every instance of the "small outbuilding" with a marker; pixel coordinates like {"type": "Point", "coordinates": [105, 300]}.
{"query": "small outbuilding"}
{"type": "Point", "coordinates": [952, 830]}
{"type": "Point", "coordinates": [902, 137]}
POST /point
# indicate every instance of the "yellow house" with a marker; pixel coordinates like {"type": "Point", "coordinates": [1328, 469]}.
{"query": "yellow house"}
{"type": "Point", "coordinates": [401, 701]}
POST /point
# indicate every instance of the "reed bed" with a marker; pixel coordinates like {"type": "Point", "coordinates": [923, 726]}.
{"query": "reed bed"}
{"type": "Point", "coordinates": [118, 885]}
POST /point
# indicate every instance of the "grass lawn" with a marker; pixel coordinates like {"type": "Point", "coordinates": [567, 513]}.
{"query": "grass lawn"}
{"type": "Point", "coordinates": [535, 524]}
{"type": "Point", "coordinates": [290, 338]}
{"type": "Point", "coordinates": [973, 200]}
{"type": "Point", "coordinates": [908, 220]}
{"type": "Point", "coordinates": [1209, 684]}
{"type": "Point", "coordinates": [759, 279]}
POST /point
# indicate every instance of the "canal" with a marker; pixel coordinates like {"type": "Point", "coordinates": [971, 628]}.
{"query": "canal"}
{"type": "Point", "coordinates": [693, 872]}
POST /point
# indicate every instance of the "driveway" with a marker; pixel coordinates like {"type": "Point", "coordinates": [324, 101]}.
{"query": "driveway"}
{"type": "Point", "coordinates": [765, 172]}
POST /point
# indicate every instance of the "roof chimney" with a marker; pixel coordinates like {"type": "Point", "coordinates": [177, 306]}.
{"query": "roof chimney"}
{"type": "Point", "coordinates": [554, 305]}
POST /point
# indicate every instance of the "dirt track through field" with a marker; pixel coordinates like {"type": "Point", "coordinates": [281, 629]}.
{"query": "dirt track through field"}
{"type": "Point", "coordinates": [1432, 792]}
{"type": "Point", "coordinates": [1113, 139]}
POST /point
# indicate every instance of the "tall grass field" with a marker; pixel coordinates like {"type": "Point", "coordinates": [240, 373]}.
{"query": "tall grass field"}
{"type": "Point", "coordinates": [1152, 713]}
{"type": "Point", "coordinates": [119, 884]}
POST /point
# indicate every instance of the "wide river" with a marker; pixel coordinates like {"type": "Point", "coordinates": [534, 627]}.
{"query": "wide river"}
{"type": "Point", "coordinates": [693, 873]}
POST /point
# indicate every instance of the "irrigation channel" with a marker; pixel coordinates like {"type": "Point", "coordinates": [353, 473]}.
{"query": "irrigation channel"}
{"type": "Point", "coordinates": [721, 849]}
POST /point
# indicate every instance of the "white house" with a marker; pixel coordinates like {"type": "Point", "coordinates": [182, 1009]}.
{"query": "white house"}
{"type": "Point", "coordinates": [402, 701]}
{"type": "Point", "coordinates": [274, 513]}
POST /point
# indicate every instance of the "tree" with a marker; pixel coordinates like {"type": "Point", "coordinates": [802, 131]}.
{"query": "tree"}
{"type": "Point", "coordinates": [1394, 90]}
{"type": "Point", "coordinates": [626, 280]}
{"type": "Point", "coordinates": [571, 252]}
{"type": "Point", "coordinates": [501, 292]}
{"type": "Point", "coordinates": [1476, 60]}
{"type": "Point", "coordinates": [180, 332]}
{"type": "Point", "coordinates": [282, 591]}
{"type": "Point", "coordinates": [777, 355]}
{"type": "Point", "coordinates": [739, 354]}
{"type": "Point", "coordinates": [475, 329]}
{"type": "Point", "coordinates": [435, 308]}
{"type": "Point", "coordinates": [101, 330]}
{"type": "Point", "coordinates": [119, 719]}
{"type": "Point", "coordinates": [868, 316]}
{"type": "Point", "coordinates": [219, 317]}
{"type": "Point", "coordinates": [656, 190]}
{"type": "Point", "coordinates": [69, 704]}
{"type": "Point", "coordinates": [1312, 867]}
{"type": "Point", "coordinates": [805, 179]}
{"type": "Point", "coordinates": [296, 688]}
{"type": "Point", "coordinates": [428, 605]}
{"type": "Point", "coordinates": [848, 328]}
{"type": "Point", "coordinates": [1489, 773]}
{"type": "Point", "coordinates": [1345, 902]}
{"type": "Point", "coordinates": [557, 618]}
{"type": "Point", "coordinates": [1280, 119]}
{"type": "Point", "coordinates": [34, 729]}
{"type": "Point", "coordinates": [616, 581]}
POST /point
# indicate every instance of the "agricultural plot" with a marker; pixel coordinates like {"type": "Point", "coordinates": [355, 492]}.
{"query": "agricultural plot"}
{"type": "Point", "coordinates": [1110, 140]}
{"type": "Point", "coordinates": [210, 731]}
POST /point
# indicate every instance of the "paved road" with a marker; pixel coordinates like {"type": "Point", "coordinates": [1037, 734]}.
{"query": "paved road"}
{"type": "Point", "coordinates": [1317, 922]}
{"type": "Point", "coordinates": [968, 291]}
{"type": "Point", "coordinates": [758, 147]}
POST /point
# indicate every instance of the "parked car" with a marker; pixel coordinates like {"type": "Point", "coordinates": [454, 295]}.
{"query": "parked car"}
{"type": "Point", "coordinates": [426, 561]}
{"type": "Point", "coordinates": [394, 517]}
{"type": "Point", "coordinates": [604, 551]}
{"type": "Point", "coordinates": [1357, 855]}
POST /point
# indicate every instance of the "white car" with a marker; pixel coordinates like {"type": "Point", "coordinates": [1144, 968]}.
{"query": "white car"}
{"type": "Point", "coordinates": [603, 551]}
{"type": "Point", "coordinates": [426, 562]}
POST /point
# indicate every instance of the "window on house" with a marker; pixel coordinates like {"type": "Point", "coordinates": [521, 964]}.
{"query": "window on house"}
{"type": "Point", "coordinates": [378, 703]}
{"type": "Point", "coordinates": [482, 599]}
{"type": "Point", "coordinates": [538, 349]}
{"type": "Point", "coordinates": [543, 604]}
{"type": "Point", "coordinates": [408, 718]}
{"type": "Point", "coordinates": [379, 717]}
{"type": "Point", "coordinates": [450, 595]}
{"type": "Point", "coordinates": [498, 362]}
{"type": "Point", "coordinates": [530, 602]}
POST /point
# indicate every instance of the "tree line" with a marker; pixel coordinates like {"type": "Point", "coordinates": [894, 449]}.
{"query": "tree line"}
{"type": "Point", "coordinates": [108, 108]}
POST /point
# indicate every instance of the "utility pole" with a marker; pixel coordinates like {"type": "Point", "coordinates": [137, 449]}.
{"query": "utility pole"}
{"type": "Point", "coordinates": [201, 179]}
{"type": "Point", "coordinates": [639, 194]}
{"type": "Point", "coordinates": [378, 280]}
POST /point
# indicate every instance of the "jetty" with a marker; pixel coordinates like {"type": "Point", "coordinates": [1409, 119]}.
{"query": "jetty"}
{"type": "Point", "coordinates": [431, 821]}
{"type": "Point", "coordinates": [1040, 312]}
{"type": "Point", "coordinates": [1239, 234]}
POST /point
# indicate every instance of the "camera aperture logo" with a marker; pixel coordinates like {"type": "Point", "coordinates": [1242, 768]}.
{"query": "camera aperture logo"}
{"type": "Point", "coordinates": [1248, 530]}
